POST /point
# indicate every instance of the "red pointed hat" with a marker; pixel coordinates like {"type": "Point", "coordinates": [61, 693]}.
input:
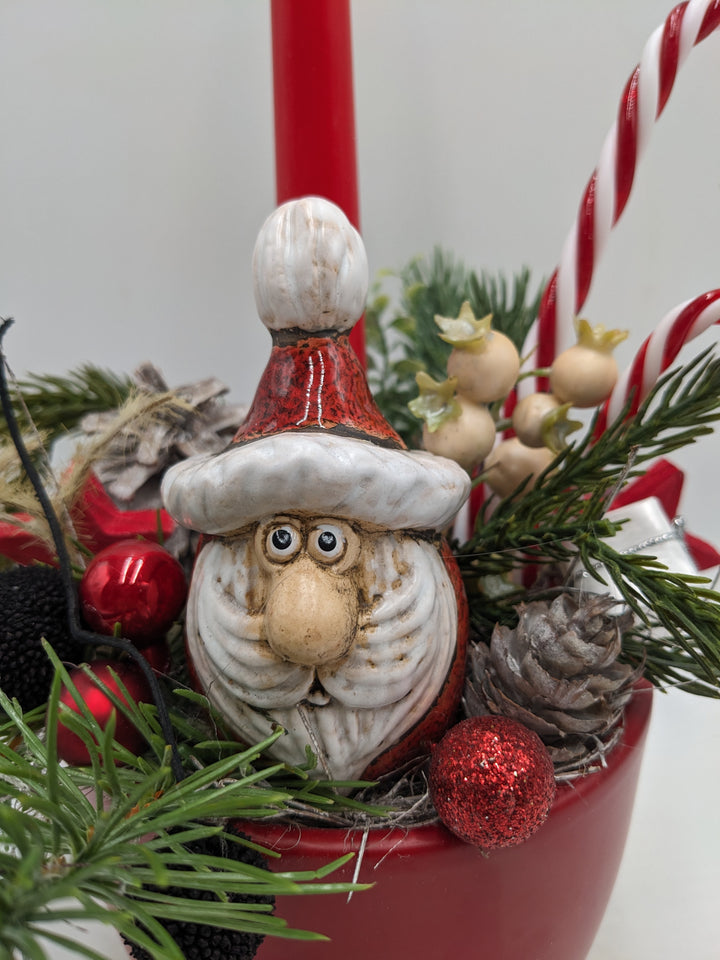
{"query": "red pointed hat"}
{"type": "Point", "coordinates": [314, 440]}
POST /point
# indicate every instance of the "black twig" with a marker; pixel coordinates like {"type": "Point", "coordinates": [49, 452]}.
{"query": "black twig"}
{"type": "Point", "coordinates": [65, 566]}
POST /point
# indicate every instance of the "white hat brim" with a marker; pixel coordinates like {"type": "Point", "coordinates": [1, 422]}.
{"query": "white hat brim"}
{"type": "Point", "coordinates": [320, 474]}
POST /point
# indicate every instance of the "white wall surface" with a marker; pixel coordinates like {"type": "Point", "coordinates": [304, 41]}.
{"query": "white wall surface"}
{"type": "Point", "coordinates": [137, 165]}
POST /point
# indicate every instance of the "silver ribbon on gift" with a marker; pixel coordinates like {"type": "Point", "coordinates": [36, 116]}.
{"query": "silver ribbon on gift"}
{"type": "Point", "coordinates": [648, 531]}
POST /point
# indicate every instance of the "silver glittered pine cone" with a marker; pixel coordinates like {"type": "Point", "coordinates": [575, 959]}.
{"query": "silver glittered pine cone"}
{"type": "Point", "coordinates": [557, 672]}
{"type": "Point", "coordinates": [132, 467]}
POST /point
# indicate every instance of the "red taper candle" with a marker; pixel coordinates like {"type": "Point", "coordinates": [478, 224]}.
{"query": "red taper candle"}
{"type": "Point", "coordinates": [315, 152]}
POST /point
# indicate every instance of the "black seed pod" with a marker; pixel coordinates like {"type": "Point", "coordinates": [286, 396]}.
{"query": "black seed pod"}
{"type": "Point", "coordinates": [202, 941]}
{"type": "Point", "coordinates": [32, 607]}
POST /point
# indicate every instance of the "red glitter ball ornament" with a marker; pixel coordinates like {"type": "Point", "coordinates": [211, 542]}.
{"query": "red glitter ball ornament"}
{"type": "Point", "coordinates": [70, 746]}
{"type": "Point", "coordinates": [137, 584]}
{"type": "Point", "coordinates": [492, 781]}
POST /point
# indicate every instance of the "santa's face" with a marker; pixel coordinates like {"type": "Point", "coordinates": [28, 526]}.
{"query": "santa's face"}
{"type": "Point", "coordinates": [340, 633]}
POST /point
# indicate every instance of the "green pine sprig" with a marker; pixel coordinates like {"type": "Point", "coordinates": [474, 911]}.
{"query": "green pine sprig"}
{"type": "Point", "coordinates": [562, 519]}
{"type": "Point", "coordinates": [403, 340]}
{"type": "Point", "coordinates": [56, 404]}
{"type": "Point", "coordinates": [101, 842]}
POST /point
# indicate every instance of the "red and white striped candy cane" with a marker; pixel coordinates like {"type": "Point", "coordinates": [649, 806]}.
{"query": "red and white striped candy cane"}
{"type": "Point", "coordinates": [678, 327]}
{"type": "Point", "coordinates": [608, 189]}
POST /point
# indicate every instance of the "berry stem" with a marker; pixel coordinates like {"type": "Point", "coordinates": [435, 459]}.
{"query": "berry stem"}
{"type": "Point", "coordinates": [537, 372]}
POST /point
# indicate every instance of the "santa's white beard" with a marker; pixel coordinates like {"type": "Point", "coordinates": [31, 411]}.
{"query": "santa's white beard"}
{"type": "Point", "coordinates": [358, 706]}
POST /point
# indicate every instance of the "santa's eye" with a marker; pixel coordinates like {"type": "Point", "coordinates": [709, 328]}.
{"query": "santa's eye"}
{"type": "Point", "coordinates": [282, 542]}
{"type": "Point", "coordinates": [281, 539]}
{"type": "Point", "coordinates": [327, 543]}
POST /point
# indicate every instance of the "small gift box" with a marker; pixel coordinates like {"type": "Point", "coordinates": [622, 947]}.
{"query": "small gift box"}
{"type": "Point", "coordinates": [647, 509]}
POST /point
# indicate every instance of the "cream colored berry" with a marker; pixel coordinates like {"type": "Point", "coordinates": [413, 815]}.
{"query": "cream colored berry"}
{"type": "Point", "coordinates": [511, 462]}
{"type": "Point", "coordinates": [528, 417]}
{"type": "Point", "coordinates": [488, 373]}
{"type": "Point", "coordinates": [466, 438]}
{"type": "Point", "coordinates": [540, 420]}
{"type": "Point", "coordinates": [484, 361]}
{"type": "Point", "coordinates": [584, 375]}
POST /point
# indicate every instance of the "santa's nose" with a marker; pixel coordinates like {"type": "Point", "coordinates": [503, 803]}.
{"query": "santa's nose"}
{"type": "Point", "coordinates": [311, 614]}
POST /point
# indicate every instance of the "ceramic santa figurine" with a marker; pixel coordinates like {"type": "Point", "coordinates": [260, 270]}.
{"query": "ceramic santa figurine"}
{"type": "Point", "coordinates": [323, 598]}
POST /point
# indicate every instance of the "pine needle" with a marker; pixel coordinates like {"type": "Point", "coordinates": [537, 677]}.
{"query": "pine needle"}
{"type": "Point", "coordinates": [56, 404]}
{"type": "Point", "coordinates": [136, 415]}
{"type": "Point", "coordinates": [562, 518]}
{"type": "Point", "coordinates": [65, 856]}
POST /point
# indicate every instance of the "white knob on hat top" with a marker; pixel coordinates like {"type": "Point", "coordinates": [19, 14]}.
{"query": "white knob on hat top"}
{"type": "Point", "coordinates": [310, 268]}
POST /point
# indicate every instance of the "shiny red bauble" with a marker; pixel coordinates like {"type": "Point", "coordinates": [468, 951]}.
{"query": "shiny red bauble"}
{"type": "Point", "coordinates": [136, 584]}
{"type": "Point", "coordinates": [70, 746]}
{"type": "Point", "coordinates": [492, 781]}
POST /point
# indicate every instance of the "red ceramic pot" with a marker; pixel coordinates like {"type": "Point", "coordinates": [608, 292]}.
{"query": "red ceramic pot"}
{"type": "Point", "coordinates": [435, 896]}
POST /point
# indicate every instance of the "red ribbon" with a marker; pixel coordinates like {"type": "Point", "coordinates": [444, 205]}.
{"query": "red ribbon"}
{"type": "Point", "coordinates": [97, 521]}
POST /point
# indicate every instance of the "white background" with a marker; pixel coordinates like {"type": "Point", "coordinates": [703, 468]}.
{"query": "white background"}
{"type": "Point", "coordinates": [137, 166]}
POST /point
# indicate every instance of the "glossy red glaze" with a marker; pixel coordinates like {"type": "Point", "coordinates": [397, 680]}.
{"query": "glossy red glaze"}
{"type": "Point", "coordinates": [70, 746]}
{"type": "Point", "coordinates": [136, 584]}
{"type": "Point", "coordinates": [316, 383]}
{"type": "Point", "coordinates": [435, 896]}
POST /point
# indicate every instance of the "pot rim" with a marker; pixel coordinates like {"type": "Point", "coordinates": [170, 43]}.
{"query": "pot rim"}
{"type": "Point", "coordinates": [334, 841]}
